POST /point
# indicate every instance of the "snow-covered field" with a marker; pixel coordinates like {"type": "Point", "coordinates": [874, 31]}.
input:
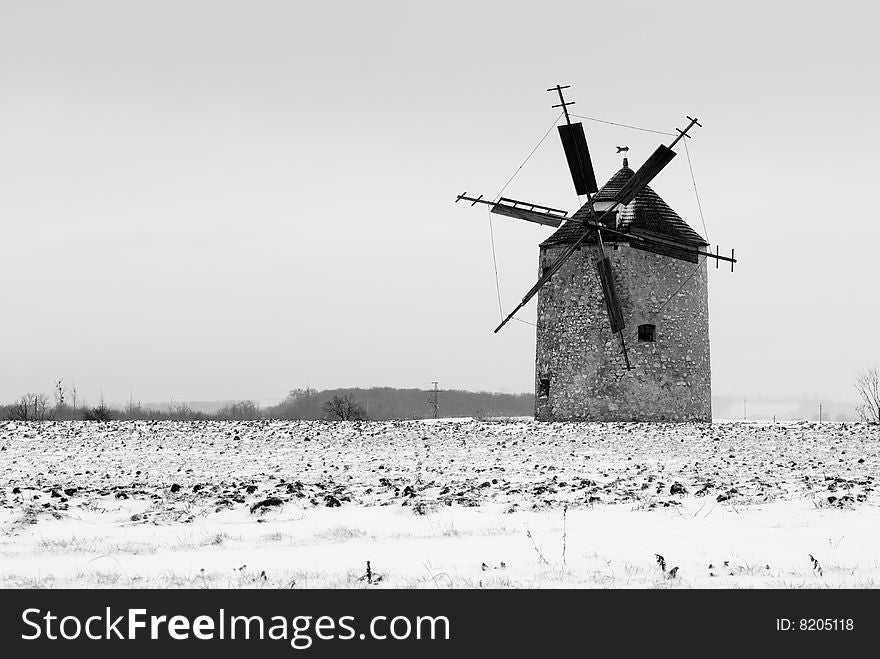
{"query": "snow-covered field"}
{"type": "Point", "coordinates": [454, 503]}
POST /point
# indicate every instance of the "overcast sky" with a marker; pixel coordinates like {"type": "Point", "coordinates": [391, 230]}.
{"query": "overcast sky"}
{"type": "Point", "coordinates": [217, 200]}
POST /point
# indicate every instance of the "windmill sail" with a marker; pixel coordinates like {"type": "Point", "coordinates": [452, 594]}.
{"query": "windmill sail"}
{"type": "Point", "coordinates": [651, 241]}
{"type": "Point", "coordinates": [652, 166]}
{"type": "Point", "coordinates": [615, 315]}
{"type": "Point", "coordinates": [574, 143]}
{"type": "Point", "coordinates": [524, 210]}
{"type": "Point", "coordinates": [529, 215]}
{"type": "Point", "coordinates": [548, 273]}
{"type": "Point", "coordinates": [576, 152]}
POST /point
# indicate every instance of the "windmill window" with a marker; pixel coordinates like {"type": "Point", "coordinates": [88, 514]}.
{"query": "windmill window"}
{"type": "Point", "coordinates": [647, 333]}
{"type": "Point", "coordinates": [544, 388]}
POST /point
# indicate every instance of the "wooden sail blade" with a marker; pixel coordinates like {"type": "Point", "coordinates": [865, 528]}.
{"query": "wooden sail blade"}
{"type": "Point", "coordinates": [531, 206]}
{"type": "Point", "coordinates": [523, 210]}
{"type": "Point", "coordinates": [615, 314]}
{"type": "Point", "coordinates": [651, 241]}
{"type": "Point", "coordinates": [528, 215]}
{"type": "Point", "coordinates": [574, 143]}
{"type": "Point", "coordinates": [548, 274]}
{"type": "Point", "coordinates": [665, 250]}
{"type": "Point", "coordinates": [652, 166]}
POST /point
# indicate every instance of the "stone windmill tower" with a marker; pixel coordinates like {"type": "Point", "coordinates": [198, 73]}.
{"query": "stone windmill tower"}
{"type": "Point", "coordinates": [580, 368]}
{"type": "Point", "coordinates": [627, 264]}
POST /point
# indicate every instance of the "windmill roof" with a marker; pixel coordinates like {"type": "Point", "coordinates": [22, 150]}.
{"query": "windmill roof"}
{"type": "Point", "coordinates": [646, 211]}
{"type": "Point", "coordinates": [615, 184]}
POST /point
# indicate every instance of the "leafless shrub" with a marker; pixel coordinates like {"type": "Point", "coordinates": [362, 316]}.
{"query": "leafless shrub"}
{"type": "Point", "coordinates": [101, 413]}
{"type": "Point", "coordinates": [667, 574]}
{"type": "Point", "coordinates": [536, 548]}
{"type": "Point", "coordinates": [370, 577]}
{"type": "Point", "coordinates": [660, 561]}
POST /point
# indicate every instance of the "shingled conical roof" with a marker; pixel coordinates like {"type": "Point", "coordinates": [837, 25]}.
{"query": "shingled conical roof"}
{"type": "Point", "coordinates": [646, 211]}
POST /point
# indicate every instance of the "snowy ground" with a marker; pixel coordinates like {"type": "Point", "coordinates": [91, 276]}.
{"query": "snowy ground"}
{"type": "Point", "coordinates": [438, 504]}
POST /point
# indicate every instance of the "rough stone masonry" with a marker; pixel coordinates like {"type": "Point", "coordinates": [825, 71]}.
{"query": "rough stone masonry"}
{"type": "Point", "coordinates": [580, 373]}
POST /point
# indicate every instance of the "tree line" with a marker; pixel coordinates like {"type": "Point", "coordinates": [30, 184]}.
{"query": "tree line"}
{"type": "Point", "coordinates": [349, 404]}
{"type": "Point", "coordinates": [345, 404]}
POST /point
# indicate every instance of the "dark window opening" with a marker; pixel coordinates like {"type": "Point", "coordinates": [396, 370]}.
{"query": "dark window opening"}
{"type": "Point", "coordinates": [544, 269]}
{"type": "Point", "coordinates": [647, 333]}
{"type": "Point", "coordinates": [544, 388]}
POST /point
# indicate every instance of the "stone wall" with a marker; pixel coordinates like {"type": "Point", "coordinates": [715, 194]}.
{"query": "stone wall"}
{"type": "Point", "coordinates": [582, 359]}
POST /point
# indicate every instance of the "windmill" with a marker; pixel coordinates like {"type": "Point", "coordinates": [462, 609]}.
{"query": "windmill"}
{"type": "Point", "coordinates": [588, 222]}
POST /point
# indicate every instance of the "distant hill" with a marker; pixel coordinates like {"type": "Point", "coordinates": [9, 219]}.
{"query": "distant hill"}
{"type": "Point", "coordinates": [206, 406]}
{"type": "Point", "coordinates": [382, 403]}
{"type": "Point", "coordinates": [385, 403]}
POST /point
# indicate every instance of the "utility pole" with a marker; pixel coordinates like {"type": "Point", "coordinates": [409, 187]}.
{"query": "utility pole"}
{"type": "Point", "coordinates": [434, 400]}
{"type": "Point", "coordinates": [820, 412]}
{"type": "Point", "coordinates": [744, 408]}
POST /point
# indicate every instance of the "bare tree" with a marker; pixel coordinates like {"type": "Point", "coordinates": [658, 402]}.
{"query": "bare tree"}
{"type": "Point", "coordinates": [73, 394]}
{"type": "Point", "coordinates": [181, 411]}
{"type": "Point", "coordinates": [42, 410]}
{"type": "Point", "coordinates": [344, 408]}
{"type": "Point", "coordinates": [19, 410]}
{"type": "Point", "coordinates": [30, 407]}
{"type": "Point", "coordinates": [868, 386]}
{"type": "Point", "coordinates": [243, 409]}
